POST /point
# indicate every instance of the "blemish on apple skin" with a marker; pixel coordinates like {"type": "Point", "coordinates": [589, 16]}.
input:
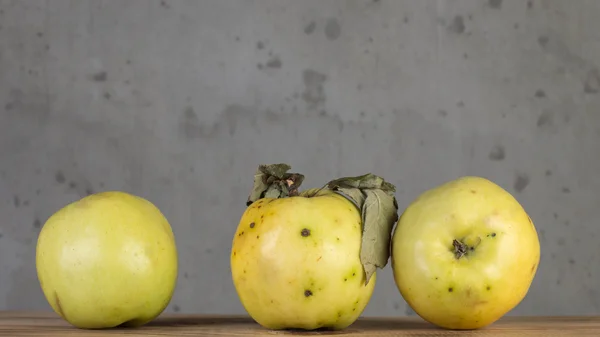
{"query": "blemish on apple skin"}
{"type": "Point", "coordinates": [252, 223]}
{"type": "Point", "coordinates": [305, 232]}
{"type": "Point", "coordinates": [307, 293]}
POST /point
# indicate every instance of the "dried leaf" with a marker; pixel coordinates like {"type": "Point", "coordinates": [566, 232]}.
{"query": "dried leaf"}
{"type": "Point", "coordinates": [353, 194]}
{"type": "Point", "coordinates": [375, 199]}
{"type": "Point", "coordinates": [379, 214]}
{"type": "Point", "coordinates": [368, 180]}
{"type": "Point", "coordinates": [275, 170]}
{"type": "Point", "coordinates": [273, 181]}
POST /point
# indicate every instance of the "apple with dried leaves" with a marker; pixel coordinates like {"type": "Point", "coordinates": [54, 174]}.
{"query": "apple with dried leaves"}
{"type": "Point", "coordinates": [307, 260]}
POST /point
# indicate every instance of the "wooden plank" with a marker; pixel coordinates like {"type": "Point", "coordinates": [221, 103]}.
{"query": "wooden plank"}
{"type": "Point", "coordinates": [48, 324]}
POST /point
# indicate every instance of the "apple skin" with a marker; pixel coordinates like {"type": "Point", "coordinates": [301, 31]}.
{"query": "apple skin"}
{"type": "Point", "coordinates": [464, 253]}
{"type": "Point", "coordinates": [107, 260]}
{"type": "Point", "coordinates": [295, 262]}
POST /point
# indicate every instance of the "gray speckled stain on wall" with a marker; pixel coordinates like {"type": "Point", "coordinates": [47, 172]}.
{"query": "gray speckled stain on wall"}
{"type": "Point", "coordinates": [310, 28]}
{"type": "Point", "coordinates": [521, 181]}
{"type": "Point", "coordinates": [180, 101]}
{"type": "Point", "coordinates": [592, 82]}
{"type": "Point", "coordinates": [332, 29]}
{"type": "Point", "coordinates": [314, 91]}
{"type": "Point", "coordinates": [497, 153]}
{"type": "Point", "coordinates": [496, 4]}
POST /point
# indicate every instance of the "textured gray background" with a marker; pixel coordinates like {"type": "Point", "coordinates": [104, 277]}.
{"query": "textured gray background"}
{"type": "Point", "coordinates": [179, 101]}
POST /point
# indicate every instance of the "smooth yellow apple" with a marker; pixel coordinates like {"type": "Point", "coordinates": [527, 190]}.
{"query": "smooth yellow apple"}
{"type": "Point", "coordinates": [464, 253]}
{"type": "Point", "coordinates": [106, 260]}
{"type": "Point", "coordinates": [295, 262]}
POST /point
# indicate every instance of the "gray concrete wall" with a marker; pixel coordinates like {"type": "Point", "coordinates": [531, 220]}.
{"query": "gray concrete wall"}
{"type": "Point", "coordinates": [179, 101]}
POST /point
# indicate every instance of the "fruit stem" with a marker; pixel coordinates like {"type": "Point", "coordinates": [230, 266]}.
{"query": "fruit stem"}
{"type": "Point", "coordinates": [460, 249]}
{"type": "Point", "coordinates": [292, 183]}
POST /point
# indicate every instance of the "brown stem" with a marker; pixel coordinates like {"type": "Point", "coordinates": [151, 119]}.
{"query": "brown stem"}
{"type": "Point", "coordinates": [293, 182]}
{"type": "Point", "coordinates": [460, 249]}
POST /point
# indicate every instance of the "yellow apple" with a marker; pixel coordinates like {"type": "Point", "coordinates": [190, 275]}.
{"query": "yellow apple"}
{"type": "Point", "coordinates": [296, 260]}
{"type": "Point", "coordinates": [464, 253]}
{"type": "Point", "coordinates": [106, 260]}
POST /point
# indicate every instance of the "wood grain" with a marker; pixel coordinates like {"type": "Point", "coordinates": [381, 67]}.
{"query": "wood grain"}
{"type": "Point", "coordinates": [48, 324]}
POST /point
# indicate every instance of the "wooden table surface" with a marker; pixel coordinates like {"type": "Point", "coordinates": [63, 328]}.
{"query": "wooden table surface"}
{"type": "Point", "coordinates": [48, 324]}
